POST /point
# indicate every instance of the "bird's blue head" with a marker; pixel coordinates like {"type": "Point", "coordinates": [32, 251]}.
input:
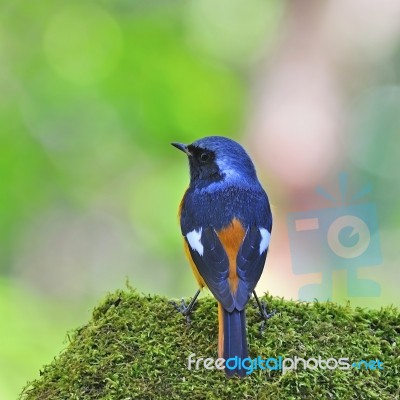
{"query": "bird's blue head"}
{"type": "Point", "coordinates": [218, 159]}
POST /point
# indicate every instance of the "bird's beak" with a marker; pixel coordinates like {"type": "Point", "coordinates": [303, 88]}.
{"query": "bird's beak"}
{"type": "Point", "coordinates": [181, 147]}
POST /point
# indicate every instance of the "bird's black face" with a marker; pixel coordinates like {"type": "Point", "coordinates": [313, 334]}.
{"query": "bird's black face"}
{"type": "Point", "coordinates": [218, 159]}
{"type": "Point", "coordinates": [202, 162]}
{"type": "Point", "coordinates": [202, 165]}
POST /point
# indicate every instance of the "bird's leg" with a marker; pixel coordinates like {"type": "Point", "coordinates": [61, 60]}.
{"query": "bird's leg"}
{"type": "Point", "coordinates": [186, 310]}
{"type": "Point", "coordinates": [265, 315]}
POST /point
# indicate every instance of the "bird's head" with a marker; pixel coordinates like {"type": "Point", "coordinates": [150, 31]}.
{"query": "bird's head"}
{"type": "Point", "coordinates": [217, 158]}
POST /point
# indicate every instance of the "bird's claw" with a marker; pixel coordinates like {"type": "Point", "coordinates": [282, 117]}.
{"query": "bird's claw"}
{"type": "Point", "coordinates": [264, 314]}
{"type": "Point", "coordinates": [182, 308]}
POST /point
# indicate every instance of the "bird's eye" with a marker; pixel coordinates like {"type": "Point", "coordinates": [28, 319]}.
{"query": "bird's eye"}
{"type": "Point", "coordinates": [204, 157]}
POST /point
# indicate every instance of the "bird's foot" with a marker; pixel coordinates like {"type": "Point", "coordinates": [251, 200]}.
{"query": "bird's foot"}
{"type": "Point", "coordinates": [184, 309]}
{"type": "Point", "coordinates": [264, 314]}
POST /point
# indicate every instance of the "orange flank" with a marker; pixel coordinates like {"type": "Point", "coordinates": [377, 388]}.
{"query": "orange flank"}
{"type": "Point", "coordinates": [196, 273]}
{"type": "Point", "coordinates": [231, 238]}
{"type": "Point", "coordinates": [198, 277]}
{"type": "Point", "coordinates": [220, 331]}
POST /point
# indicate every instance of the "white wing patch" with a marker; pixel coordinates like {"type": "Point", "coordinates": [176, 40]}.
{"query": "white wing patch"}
{"type": "Point", "coordinates": [265, 236]}
{"type": "Point", "coordinates": [193, 238]}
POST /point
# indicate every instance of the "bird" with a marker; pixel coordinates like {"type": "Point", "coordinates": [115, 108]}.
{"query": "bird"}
{"type": "Point", "coordinates": [226, 223]}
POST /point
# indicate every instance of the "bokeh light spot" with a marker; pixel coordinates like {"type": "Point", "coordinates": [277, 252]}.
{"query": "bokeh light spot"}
{"type": "Point", "coordinates": [83, 43]}
{"type": "Point", "coordinates": [233, 30]}
{"type": "Point", "coordinates": [372, 140]}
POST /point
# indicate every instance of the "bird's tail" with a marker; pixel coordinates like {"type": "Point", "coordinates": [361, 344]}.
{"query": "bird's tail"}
{"type": "Point", "coordinates": [232, 340]}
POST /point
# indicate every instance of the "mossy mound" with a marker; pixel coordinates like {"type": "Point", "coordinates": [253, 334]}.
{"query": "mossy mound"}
{"type": "Point", "coordinates": [136, 347]}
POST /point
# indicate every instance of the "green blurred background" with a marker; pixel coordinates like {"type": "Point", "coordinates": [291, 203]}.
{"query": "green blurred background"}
{"type": "Point", "coordinates": [93, 92]}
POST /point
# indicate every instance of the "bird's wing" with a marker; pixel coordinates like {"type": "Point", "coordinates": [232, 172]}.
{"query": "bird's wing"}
{"type": "Point", "coordinates": [212, 263]}
{"type": "Point", "coordinates": [250, 263]}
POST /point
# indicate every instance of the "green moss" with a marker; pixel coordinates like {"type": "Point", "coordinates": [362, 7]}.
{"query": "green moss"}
{"type": "Point", "coordinates": [136, 347]}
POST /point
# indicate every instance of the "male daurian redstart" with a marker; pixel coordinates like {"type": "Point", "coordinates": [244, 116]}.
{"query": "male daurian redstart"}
{"type": "Point", "coordinates": [226, 223]}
